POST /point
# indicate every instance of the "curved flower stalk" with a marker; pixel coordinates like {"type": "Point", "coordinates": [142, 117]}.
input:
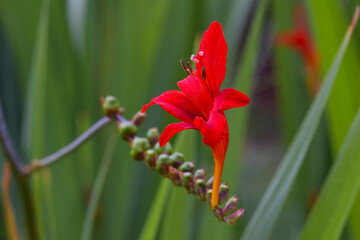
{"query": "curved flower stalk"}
{"type": "Point", "coordinates": [171, 165]}
{"type": "Point", "coordinates": [200, 104]}
{"type": "Point", "coordinates": [300, 39]}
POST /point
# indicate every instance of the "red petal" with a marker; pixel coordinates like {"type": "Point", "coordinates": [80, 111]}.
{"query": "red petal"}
{"type": "Point", "coordinates": [195, 89]}
{"type": "Point", "coordinates": [215, 129]}
{"type": "Point", "coordinates": [212, 55]}
{"type": "Point", "coordinates": [171, 130]}
{"type": "Point", "coordinates": [177, 104]}
{"type": "Point", "coordinates": [296, 38]}
{"type": "Point", "coordinates": [300, 37]}
{"type": "Point", "coordinates": [230, 98]}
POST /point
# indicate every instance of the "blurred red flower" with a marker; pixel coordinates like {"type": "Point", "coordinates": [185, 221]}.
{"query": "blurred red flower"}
{"type": "Point", "coordinates": [300, 39]}
{"type": "Point", "coordinates": [200, 104]}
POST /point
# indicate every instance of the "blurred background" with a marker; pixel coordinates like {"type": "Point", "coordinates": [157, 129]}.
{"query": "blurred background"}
{"type": "Point", "coordinates": [58, 57]}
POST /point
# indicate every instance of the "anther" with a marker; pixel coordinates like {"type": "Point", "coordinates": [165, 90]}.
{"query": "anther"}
{"type": "Point", "coordinates": [194, 59]}
{"type": "Point", "coordinates": [203, 73]}
{"type": "Point", "coordinates": [183, 65]}
{"type": "Point", "coordinates": [189, 68]}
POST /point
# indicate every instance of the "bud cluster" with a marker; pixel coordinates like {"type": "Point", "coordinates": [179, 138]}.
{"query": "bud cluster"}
{"type": "Point", "coordinates": [171, 165]}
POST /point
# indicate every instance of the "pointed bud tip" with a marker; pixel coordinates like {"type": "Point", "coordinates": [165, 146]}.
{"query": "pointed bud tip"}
{"type": "Point", "coordinates": [187, 167]}
{"type": "Point", "coordinates": [236, 216]}
{"type": "Point", "coordinates": [231, 205]}
{"type": "Point", "coordinates": [224, 193]}
{"type": "Point", "coordinates": [138, 118]}
{"type": "Point", "coordinates": [218, 213]}
{"type": "Point", "coordinates": [153, 135]}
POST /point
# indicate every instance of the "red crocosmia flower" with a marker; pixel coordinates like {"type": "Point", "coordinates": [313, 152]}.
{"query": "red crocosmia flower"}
{"type": "Point", "coordinates": [299, 38]}
{"type": "Point", "coordinates": [200, 104]}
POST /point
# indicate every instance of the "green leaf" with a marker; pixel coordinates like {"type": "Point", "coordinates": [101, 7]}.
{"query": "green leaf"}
{"type": "Point", "coordinates": [293, 100]}
{"type": "Point", "coordinates": [153, 220]}
{"type": "Point", "coordinates": [336, 14]}
{"type": "Point", "coordinates": [33, 134]}
{"type": "Point", "coordinates": [331, 13]}
{"type": "Point", "coordinates": [328, 217]}
{"type": "Point", "coordinates": [35, 101]}
{"type": "Point", "coordinates": [272, 202]}
{"type": "Point", "coordinates": [98, 187]}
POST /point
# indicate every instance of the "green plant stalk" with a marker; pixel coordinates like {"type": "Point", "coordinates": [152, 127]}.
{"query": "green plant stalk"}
{"type": "Point", "coordinates": [272, 202]}
{"type": "Point", "coordinates": [19, 173]}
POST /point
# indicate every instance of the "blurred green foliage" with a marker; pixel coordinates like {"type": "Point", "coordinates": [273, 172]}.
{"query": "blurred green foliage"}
{"type": "Point", "coordinates": [58, 57]}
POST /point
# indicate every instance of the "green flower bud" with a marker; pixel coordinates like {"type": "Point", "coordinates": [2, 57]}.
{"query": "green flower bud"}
{"type": "Point", "coordinates": [175, 176]}
{"type": "Point", "coordinates": [223, 193]}
{"type": "Point", "coordinates": [138, 118]}
{"type": "Point", "coordinates": [200, 174]}
{"type": "Point", "coordinates": [231, 205]}
{"type": "Point", "coordinates": [127, 130]}
{"type": "Point", "coordinates": [176, 159]}
{"type": "Point", "coordinates": [150, 159]}
{"type": "Point", "coordinates": [162, 164]}
{"type": "Point", "coordinates": [188, 182]}
{"type": "Point", "coordinates": [210, 182]}
{"type": "Point", "coordinates": [200, 189]}
{"type": "Point", "coordinates": [187, 167]}
{"type": "Point", "coordinates": [218, 213]}
{"type": "Point", "coordinates": [167, 149]}
{"type": "Point", "coordinates": [110, 105]}
{"type": "Point", "coordinates": [138, 147]}
{"type": "Point", "coordinates": [236, 216]}
{"type": "Point", "coordinates": [153, 135]}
